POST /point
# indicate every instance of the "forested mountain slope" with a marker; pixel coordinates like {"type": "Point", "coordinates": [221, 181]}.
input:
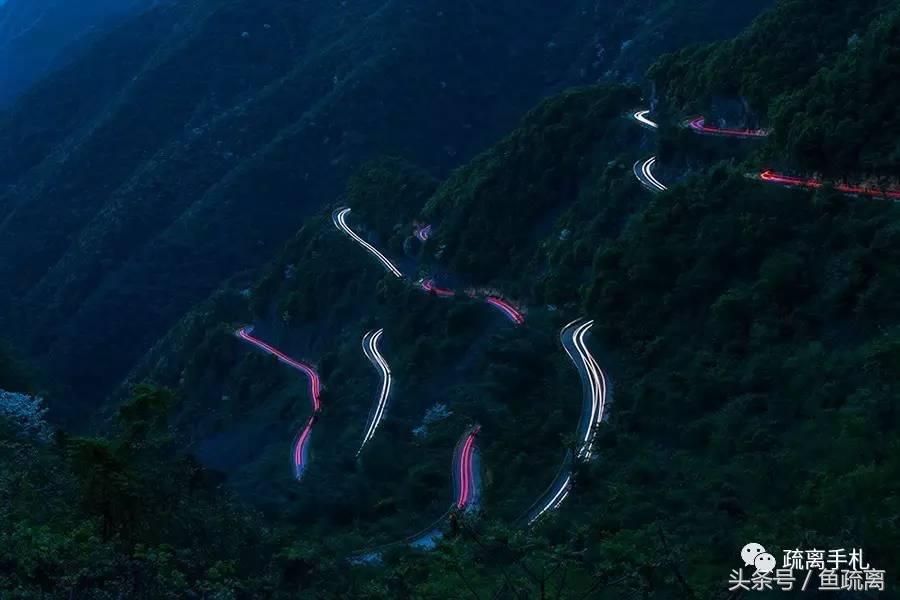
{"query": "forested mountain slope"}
{"type": "Point", "coordinates": [823, 84]}
{"type": "Point", "coordinates": [749, 332]}
{"type": "Point", "coordinates": [38, 35]}
{"type": "Point", "coordinates": [749, 335]}
{"type": "Point", "coordinates": [192, 141]}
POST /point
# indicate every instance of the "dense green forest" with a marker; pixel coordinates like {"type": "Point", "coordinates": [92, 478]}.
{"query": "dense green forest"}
{"type": "Point", "coordinates": [749, 333]}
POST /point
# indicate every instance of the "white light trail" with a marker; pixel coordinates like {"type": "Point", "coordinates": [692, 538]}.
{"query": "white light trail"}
{"type": "Point", "coordinates": [646, 175]}
{"type": "Point", "coordinates": [555, 501]}
{"type": "Point", "coordinates": [340, 221]}
{"type": "Point", "coordinates": [370, 347]}
{"type": "Point", "coordinates": [641, 117]}
{"type": "Point", "coordinates": [598, 387]}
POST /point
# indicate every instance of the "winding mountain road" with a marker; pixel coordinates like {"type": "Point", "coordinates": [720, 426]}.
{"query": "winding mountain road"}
{"type": "Point", "coordinates": [506, 308]}
{"type": "Point", "coordinates": [698, 125]}
{"type": "Point", "coordinates": [429, 286]}
{"type": "Point", "coordinates": [299, 454]}
{"type": "Point", "coordinates": [370, 348]}
{"type": "Point", "coordinates": [641, 117]}
{"type": "Point", "coordinates": [643, 170]}
{"type": "Point", "coordinates": [808, 183]}
{"type": "Point", "coordinates": [339, 218]}
{"type": "Point", "coordinates": [593, 383]}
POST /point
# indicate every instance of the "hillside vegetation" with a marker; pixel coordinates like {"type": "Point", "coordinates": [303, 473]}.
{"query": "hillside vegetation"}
{"type": "Point", "coordinates": [749, 334]}
{"type": "Point", "coordinates": [191, 142]}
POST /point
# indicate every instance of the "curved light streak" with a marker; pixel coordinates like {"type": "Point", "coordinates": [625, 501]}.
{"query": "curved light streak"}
{"type": "Point", "coordinates": [429, 286]}
{"type": "Point", "coordinates": [596, 384]}
{"type": "Point", "coordinates": [556, 500]}
{"type": "Point", "coordinates": [423, 232]}
{"type": "Point", "coordinates": [643, 170]}
{"type": "Point", "coordinates": [773, 177]}
{"type": "Point", "coordinates": [641, 117]}
{"type": "Point", "coordinates": [339, 217]}
{"type": "Point", "coordinates": [508, 309]}
{"type": "Point", "coordinates": [314, 381]}
{"type": "Point", "coordinates": [300, 447]}
{"type": "Point", "coordinates": [598, 387]}
{"type": "Point", "coordinates": [699, 125]}
{"type": "Point", "coordinates": [370, 347]}
{"type": "Point", "coordinates": [466, 474]}
{"type": "Point", "coordinates": [299, 452]}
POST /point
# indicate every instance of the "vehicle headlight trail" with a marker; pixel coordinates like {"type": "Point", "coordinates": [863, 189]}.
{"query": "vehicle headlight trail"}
{"type": "Point", "coordinates": [593, 380]}
{"type": "Point", "coordinates": [466, 492]}
{"type": "Point", "coordinates": [300, 452]}
{"type": "Point", "coordinates": [301, 443]}
{"type": "Point", "coordinates": [339, 217]}
{"type": "Point", "coordinates": [643, 170]}
{"type": "Point", "coordinates": [641, 117]}
{"type": "Point", "coordinates": [370, 348]}
{"type": "Point", "coordinates": [572, 337]}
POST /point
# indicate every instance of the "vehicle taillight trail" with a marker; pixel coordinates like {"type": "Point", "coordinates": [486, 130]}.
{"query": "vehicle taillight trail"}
{"type": "Point", "coordinates": [698, 125]}
{"type": "Point", "coordinates": [314, 383]}
{"type": "Point", "coordinates": [506, 308]}
{"type": "Point", "coordinates": [300, 450]}
{"type": "Point", "coordinates": [593, 383]}
{"type": "Point", "coordinates": [467, 491]}
{"type": "Point", "coordinates": [810, 183]}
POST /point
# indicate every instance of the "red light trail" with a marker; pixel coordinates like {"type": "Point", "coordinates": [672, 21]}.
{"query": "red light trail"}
{"type": "Point", "coordinates": [699, 126]}
{"type": "Point", "coordinates": [466, 473]}
{"type": "Point", "coordinates": [810, 183]}
{"type": "Point", "coordinates": [314, 383]}
{"type": "Point", "coordinates": [508, 309]}
{"type": "Point", "coordinates": [300, 445]}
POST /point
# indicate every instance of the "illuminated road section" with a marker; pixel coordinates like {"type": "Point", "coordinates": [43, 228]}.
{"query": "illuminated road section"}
{"type": "Point", "coordinates": [698, 125]}
{"type": "Point", "coordinates": [593, 382]}
{"type": "Point", "coordinates": [314, 383]}
{"type": "Point", "coordinates": [429, 286]}
{"type": "Point", "coordinates": [555, 501]}
{"type": "Point", "coordinates": [593, 405]}
{"type": "Point", "coordinates": [467, 492]}
{"type": "Point", "coordinates": [641, 117]}
{"type": "Point", "coordinates": [643, 170]}
{"type": "Point", "coordinates": [300, 448]}
{"type": "Point", "coordinates": [423, 232]}
{"type": "Point", "coordinates": [506, 308]}
{"type": "Point", "coordinates": [816, 183]}
{"type": "Point", "coordinates": [370, 347]}
{"type": "Point", "coordinates": [339, 217]}
{"type": "Point", "coordinates": [301, 443]}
